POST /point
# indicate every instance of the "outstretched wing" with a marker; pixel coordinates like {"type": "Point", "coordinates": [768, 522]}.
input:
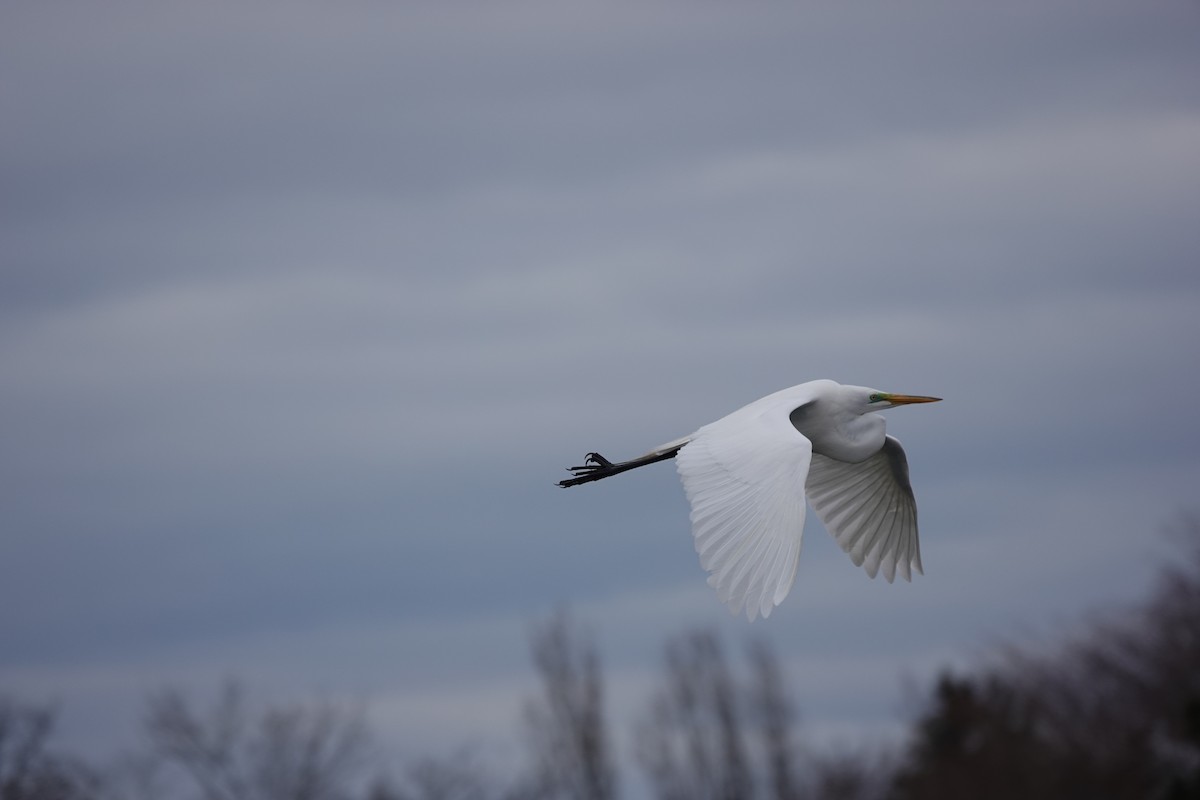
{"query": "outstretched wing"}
{"type": "Point", "coordinates": [744, 477]}
{"type": "Point", "coordinates": [870, 509]}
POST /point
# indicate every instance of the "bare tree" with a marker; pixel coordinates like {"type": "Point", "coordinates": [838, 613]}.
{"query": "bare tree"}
{"type": "Point", "coordinates": [458, 777]}
{"type": "Point", "coordinates": [1112, 712]}
{"type": "Point", "coordinates": [295, 753]}
{"type": "Point", "coordinates": [29, 769]}
{"type": "Point", "coordinates": [848, 775]}
{"type": "Point", "coordinates": [775, 714]}
{"type": "Point", "coordinates": [134, 776]}
{"type": "Point", "coordinates": [691, 745]}
{"type": "Point", "coordinates": [566, 725]}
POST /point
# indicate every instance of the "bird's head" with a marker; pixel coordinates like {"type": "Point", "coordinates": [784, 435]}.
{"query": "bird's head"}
{"type": "Point", "coordinates": [841, 422]}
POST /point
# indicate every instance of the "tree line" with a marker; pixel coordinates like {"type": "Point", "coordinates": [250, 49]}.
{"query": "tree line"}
{"type": "Point", "coordinates": [1111, 710]}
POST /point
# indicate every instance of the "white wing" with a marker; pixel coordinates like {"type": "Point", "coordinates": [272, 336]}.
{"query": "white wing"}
{"type": "Point", "coordinates": [744, 477]}
{"type": "Point", "coordinates": [870, 509]}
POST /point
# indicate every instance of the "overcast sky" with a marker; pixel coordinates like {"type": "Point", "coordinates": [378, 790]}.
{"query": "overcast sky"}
{"type": "Point", "coordinates": [305, 306]}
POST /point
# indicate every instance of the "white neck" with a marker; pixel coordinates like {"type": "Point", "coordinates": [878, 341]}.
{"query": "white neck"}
{"type": "Point", "coordinates": [840, 433]}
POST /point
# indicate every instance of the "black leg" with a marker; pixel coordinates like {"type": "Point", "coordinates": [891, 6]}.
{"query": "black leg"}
{"type": "Point", "coordinates": [596, 466]}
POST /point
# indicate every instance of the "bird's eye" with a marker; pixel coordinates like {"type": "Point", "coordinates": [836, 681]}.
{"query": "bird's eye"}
{"type": "Point", "coordinates": [875, 397]}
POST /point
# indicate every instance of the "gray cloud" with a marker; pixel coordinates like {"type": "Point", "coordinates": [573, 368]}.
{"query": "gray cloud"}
{"type": "Point", "coordinates": [303, 309]}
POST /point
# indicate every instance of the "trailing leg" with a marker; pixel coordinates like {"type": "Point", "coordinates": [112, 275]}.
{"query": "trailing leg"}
{"type": "Point", "coordinates": [596, 466]}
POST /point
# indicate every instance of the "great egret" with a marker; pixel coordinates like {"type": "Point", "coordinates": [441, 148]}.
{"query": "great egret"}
{"type": "Point", "coordinates": [747, 474]}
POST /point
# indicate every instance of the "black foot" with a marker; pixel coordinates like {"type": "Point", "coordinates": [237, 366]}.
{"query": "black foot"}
{"type": "Point", "coordinates": [594, 467]}
{"type": "Point", "coordinates": [596, 459]}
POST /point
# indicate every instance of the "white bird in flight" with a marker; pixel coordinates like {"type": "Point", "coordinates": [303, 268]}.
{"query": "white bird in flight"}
{"type": "Point", "coordinates": [746, 477]}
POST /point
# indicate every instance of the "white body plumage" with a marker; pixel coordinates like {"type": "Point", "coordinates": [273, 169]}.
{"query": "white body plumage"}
{"type": "Point", "coordinates": [748, 474]}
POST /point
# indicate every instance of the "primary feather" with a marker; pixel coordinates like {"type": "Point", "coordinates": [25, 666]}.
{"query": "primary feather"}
{"type": "Point", "coordinates": [744, 479]}
{"type": "Point", "coordinates": [869, 509]}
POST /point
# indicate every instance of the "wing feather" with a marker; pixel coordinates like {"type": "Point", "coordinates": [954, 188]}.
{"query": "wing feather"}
{"type": "Point", "coordinates": [744, 476]}
{"type": "Point", "coordinates": [870, 509]}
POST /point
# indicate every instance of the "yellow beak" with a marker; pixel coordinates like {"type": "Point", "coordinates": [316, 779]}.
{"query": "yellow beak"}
{"type": "Point", "coordinates": [904, 399]}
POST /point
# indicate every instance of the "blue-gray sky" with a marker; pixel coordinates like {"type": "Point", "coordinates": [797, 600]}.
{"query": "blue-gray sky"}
{"type": "Point", "coordinates": [304, 307]}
